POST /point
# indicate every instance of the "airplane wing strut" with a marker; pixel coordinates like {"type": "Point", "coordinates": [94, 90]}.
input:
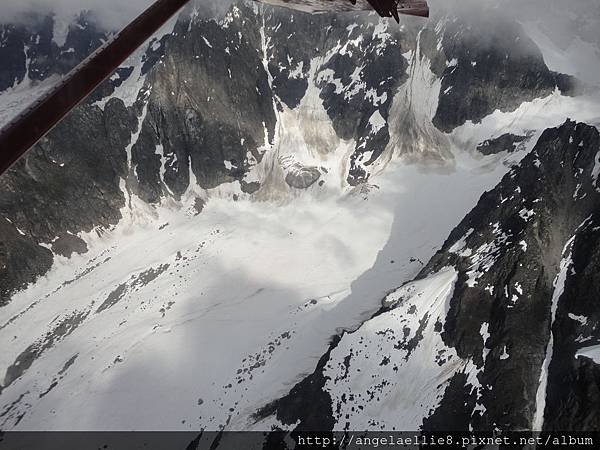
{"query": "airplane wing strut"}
{"type": "Point", "coordinates": [24, 131]}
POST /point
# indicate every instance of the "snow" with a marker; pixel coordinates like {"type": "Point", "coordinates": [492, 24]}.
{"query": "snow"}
{"type": "Point", "coordinates": [160, 151]}
{"type": "Point", "coordinates": [377, 122]}
{"type": "Point", "coordinates": [596, 171]}
{"type": "Point", "coordinates": [16, 99]}
{"type": "Point", "coordinates": [412, 134]}
{"type": "Point", "coordinates": [261, 294]}
{"type": "Point", "coordinates": [581, 319]}
{"type": "Point", "coordinates": [376, 100]}
{"type": "Point", "coordinates": [536, 116]}
{"type": "Point", "coordinates": [135, 136]}
{"type": "Point", "coordinates": [304, 138]}
{"type": "Point", "coordinates": [459, 246]}
{"type": "Point", "coordinates": [526, 214]}
{"type": "Point", "coordinates": [559, 286]}
{"type": "Point", "coordinates": [129, 90]}
{"type": "Point", "coordinates": [519, 288]}
{"type": "Point", "coordinates": [592, 352]}
{"type": "Point", "coordinates": [278, 255]}
{"type": "Point", "coordinates": [578, 57]}
{"type": "Point", "coordinates": [380, 30]}
{"type": "Point", "coordinates": [234, 305]}
{"type": "Point", "coordinates": [156, 44]}
{"type": "Point", "coordinates": [297, 71]}
{"type": "Point", "coordinates": [62, 23]}
{"type": "Point", "coordinates": [484, 257]}
{"type": "Point", "coordinates": [485, 335]}
{"type": "Point", "coordinates": [229, 165]}
{"type": "Point", "coordinates": [369, 389]}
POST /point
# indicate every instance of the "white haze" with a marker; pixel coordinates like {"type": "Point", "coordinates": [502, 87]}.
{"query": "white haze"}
{"type": "Point", "coordinates": [111, 14]}
{"type": "Point", "coordinates": [566, 32]}
{"type": "Point", "coordinates": [562, 19]}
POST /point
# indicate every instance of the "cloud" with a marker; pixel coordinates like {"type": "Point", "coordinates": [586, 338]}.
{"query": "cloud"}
{"type": "Point", "coordinates": [112, 14]}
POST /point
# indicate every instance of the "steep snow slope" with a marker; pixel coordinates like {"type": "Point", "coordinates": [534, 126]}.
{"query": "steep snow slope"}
{"type": "Point", "coordinates": [365, 389]}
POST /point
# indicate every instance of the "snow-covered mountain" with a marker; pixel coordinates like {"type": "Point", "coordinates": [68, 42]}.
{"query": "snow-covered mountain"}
{"type": "Point", "coordinates": [498, 331]}
{"type": "Point", "coordinates": [178, 253]}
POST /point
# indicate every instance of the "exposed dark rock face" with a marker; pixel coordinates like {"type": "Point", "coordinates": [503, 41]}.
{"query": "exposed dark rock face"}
{"type": "Point", "coordinates": [210, 102]}
{"type": "Point", "coordinates": [525, 258]}
{"type": "Point", "coordinates": [22, 260]}
{"type": "Point", "coordinates": [520, 230]}
{"type": "Point", "coordinates": [307, 402]}
{"type": "Point", "coordinates": [484, 57]}
{"type": "Point", "coordinates": [68, 183]}
{"type": "Point", "coordinates": [66, 244]}
{"type": "Point", "coordinates": [71, 181]}
{"type": "Point", "coordinates": [29, 49]}
{"type": "Point", "coordinates": [524, 301]}
{"type": "Point", "coordinates": [573, 401]}
{"type": "Point", "coordinates": [505, 143]}
{"type": "Point", "coordinates": [303, 177]}
{"type": "Point", "coordinates": [357, 64]}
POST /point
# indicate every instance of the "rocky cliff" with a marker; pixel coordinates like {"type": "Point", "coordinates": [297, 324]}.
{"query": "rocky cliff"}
{"type": "Point", "coordinates": [497, 332]}
{"type": "Point", "coordinates": [202, 102]}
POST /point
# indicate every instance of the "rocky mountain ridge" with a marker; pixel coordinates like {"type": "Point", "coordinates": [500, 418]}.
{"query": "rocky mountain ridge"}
{"type": "Point", "coordinates": [499, 327]}
{"type": "Point", "coordinates": [191, 120]}
{"type": "Point", "coordinates": [164, 203]}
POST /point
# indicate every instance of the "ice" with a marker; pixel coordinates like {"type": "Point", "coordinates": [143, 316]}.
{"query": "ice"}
{"type": "Point", "coordinates": [596, 172]}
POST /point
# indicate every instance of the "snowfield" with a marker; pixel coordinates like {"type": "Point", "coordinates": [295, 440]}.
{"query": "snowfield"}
{"type": "Point", "coordinates": [227, 308]}
{"type": "Point", "coordinates": [370, 390]}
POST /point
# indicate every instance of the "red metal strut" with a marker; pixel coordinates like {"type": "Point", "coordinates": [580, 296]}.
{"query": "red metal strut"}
{"type": "Point", "coordinates": [25, 130]}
